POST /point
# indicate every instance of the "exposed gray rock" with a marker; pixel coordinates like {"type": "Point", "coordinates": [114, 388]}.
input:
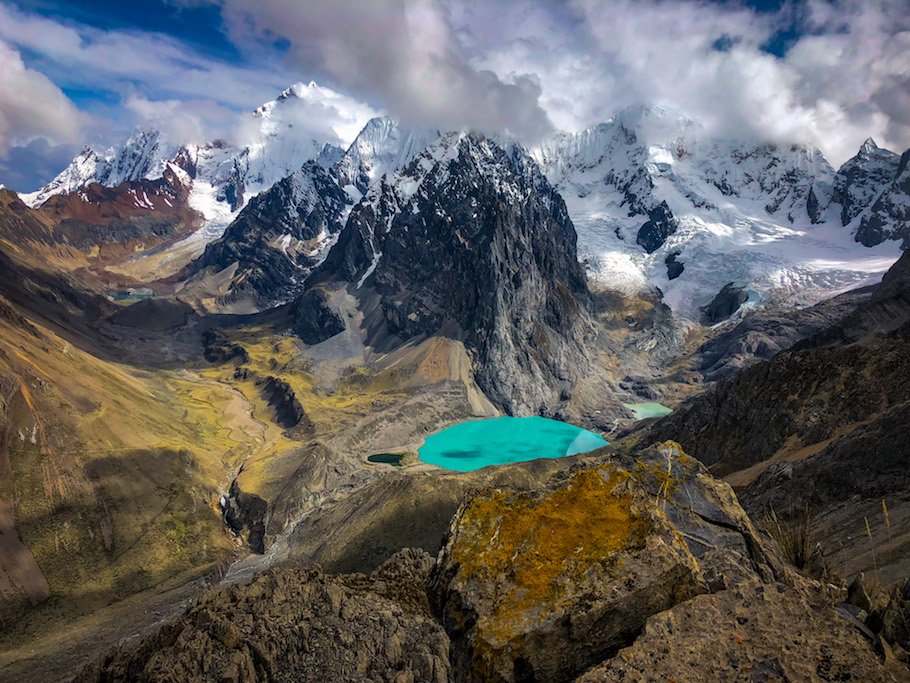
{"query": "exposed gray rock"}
{"type": "Point", "coordinates": [896, 617]}
{"type": "Point", "coordinates": [724, 304]}
{"type": "Point", "coordinates": [764, 333]}
{"type": "Point", "coordinates": [754, 632]}
{"type": "Point", "coordinates": [471, 241]}
{"type": "Point", "coordinates": [314, 320]}
{"type": "Point", "coordinates": [660, 225]}
{"type": "Point", "coordinates": [245, 512]}
{"type": "Point", "coordinates": [675, 267]}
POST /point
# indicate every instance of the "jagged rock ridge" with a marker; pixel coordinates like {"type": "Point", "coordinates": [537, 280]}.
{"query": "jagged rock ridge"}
{"type": "Point", "coordinates": [471, 240]}
{"type": "Point", "coordinates": [281, 234]}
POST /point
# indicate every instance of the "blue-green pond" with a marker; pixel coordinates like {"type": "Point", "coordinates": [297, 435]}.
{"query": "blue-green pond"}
{"type": "Point", "coordinates": [643, 411]}
{"type": "Point", "coordinates": [471, 445]}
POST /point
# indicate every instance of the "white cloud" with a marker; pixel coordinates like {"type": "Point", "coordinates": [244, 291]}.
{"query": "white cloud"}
{"type": "Point", "coordinates": [182, 121]}
{"type": "Point", "coordinates": [845, 80]}
{"type": "Point", "coordinates": [31, 105]}
{"type": "Point", "coordinates": [122, 61]}
{"type": "Point", "coordinates": [518, 65]}
{"type": "Point", "coordinates": [401, 55]}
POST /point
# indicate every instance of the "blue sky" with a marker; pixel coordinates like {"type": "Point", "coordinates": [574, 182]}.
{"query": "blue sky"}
{"type": "Point", "coordinates": [811, 71]}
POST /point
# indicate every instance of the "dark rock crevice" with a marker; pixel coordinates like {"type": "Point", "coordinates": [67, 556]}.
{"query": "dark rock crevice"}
{"type": "Point", "coordinates": [245, 512]}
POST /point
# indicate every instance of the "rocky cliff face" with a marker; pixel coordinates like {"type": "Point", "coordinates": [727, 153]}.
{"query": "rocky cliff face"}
{"type": "Point", "coordinates": [889, 217]}
{"type": "Point", "coordinates": [861, 179]}
{"type": "Point", "coordinates": [280, 235]}
{"type": "Point", "coordinates": [470, 240]}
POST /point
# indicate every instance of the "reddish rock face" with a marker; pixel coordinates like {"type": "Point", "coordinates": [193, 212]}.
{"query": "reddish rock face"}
{"type": "Point", "coordinates": [138, 211]}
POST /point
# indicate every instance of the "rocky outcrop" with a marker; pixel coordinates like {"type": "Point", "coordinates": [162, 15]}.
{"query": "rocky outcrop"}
{"type": "Point", "coordinates": [725, 303]}
{"type": "Point", "coordinates": [675, 267]}
{"type": "Point", "coordinates": [889, 217]}
{"type": "Point", "coordinates": [313, 320]}
{"type": "Point", "coordinates": [660, 225]}
{"type": "Point", "coordinates": [245, 512]}
{"type": "Point", "coordinates": [543, 585]}
{"type": "Point", "coordinates": [289, 413]}
{"type": "Point", "coordinates": [297, 624]}
{"type": "Point", "coordinates": [896, 617]}
{"type": "Point", "coordinates": [757, 632]}
{"type": "Point", "coordinates": [471, 241]}
{"type": "Point", "coordinates": [280, 235]}
{"type": "Point", "coordinates": [217, 348]}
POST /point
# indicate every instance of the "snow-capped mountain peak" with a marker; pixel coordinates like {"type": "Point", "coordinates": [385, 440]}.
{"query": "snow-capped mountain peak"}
{"type": "Point", "coordinates": [657, 200]}
{"type": "Point", "coordinates": [862, 178]}
{"type": "Point", "coordinates": [275, 140]}
{"type": "Point", "coordinates": [142, 155]}
{"type": "Point", "coordinates": [383, 146]}
{"type": "Point", "coordinates": [868, 147]}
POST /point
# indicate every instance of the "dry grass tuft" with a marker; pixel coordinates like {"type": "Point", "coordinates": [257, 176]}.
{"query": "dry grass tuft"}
{"type": "Point", "coordinates": [793, 533]}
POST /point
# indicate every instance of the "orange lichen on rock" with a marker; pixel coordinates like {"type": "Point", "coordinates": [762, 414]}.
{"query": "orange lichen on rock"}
{"type": "Point", "coordinates": [537, 548]}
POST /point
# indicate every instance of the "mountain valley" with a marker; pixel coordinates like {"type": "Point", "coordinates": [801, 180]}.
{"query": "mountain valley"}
{"type": "Point", "coordinates": [202, 343]}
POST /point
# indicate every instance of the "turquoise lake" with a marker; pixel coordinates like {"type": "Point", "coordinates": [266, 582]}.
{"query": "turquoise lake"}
{"type": "Point", "coordinates": [646, 410]}
{"type": "Point", "coordinates": [471, 445]}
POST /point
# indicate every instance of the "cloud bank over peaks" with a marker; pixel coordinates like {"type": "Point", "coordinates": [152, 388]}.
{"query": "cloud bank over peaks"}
{"type": "Point", "coordinates": [403, 56]}
{"type": "Point", "coordinates": [31, 105]}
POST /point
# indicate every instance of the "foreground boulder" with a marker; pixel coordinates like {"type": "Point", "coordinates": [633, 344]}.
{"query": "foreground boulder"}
{"type": "Point", "coordinates": [297, 624]}
{"type": "Point", "coordinates": [543, 585]}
